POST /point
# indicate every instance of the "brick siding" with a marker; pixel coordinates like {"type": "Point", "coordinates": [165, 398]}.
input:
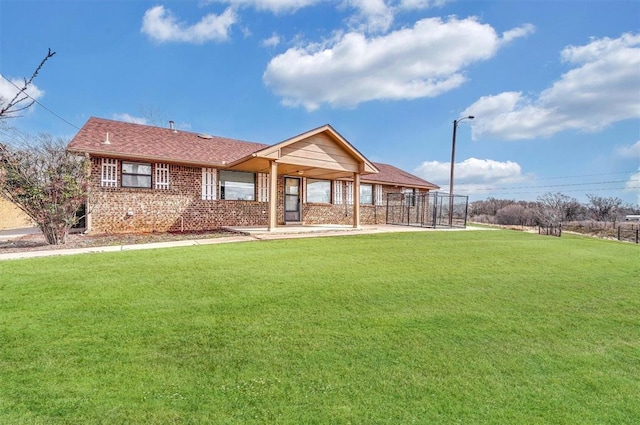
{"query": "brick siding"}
{"type": "Point", "coordinates": [180, 208]}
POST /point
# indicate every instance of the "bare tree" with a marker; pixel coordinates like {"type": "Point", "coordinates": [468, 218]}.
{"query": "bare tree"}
{"type": "Point", "coordinates": [153, 116]}
{"type": "Point", "coordinates": [489, 206]}
{"type": "Point", "coordinates": [21, 100]}
{"type": "Point", "coordinates": [557, 207]}
{"type": "Point", "coordinates": [604, 208]}
{"type": "Point", "coordinates": [47, 182]}
{"type": "Point", "coordinates": [551, 208]}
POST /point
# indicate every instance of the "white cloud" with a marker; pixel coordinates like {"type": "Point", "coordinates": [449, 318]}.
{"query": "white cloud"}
{"type": "Point", "coordinates": [600, 90]}
{"type": "Point", "coordinates": [274, 6]}
{"type": "Point", "coordinates": [471, 175]}
{"type": "Point", "coordinates": [372, 16]}
{"type": "Point", "coordinates": [423, 61]}
{"type": "Point", "coordinates": [368, 7]}
{"type": "Point", "coordinates": [160, 25]}
{"type": "Point", "coordinates": [632, 151]}
{"type": "Point", "coordinates": [518, 32]}
{"type": "Point", "coordinates": [421, 4]}
{"type": "Point", "coordinates": [272, 41]}
{"type": "Point", "coordinates": [8, 91]}
{"type": "Point", "coordinates": [130, 118]}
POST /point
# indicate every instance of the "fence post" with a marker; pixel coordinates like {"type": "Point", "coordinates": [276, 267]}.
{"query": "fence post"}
{"type": "Point", "coordinates": [388, 208]}
{"type": "Point", "coordinates": [435, 210]}
{"type": "Point", "coordinates": [619, 232]}
{"type": "Point", "coordinates": [637, 234]}
{"type": "Point", "coordinates": [466, 211]}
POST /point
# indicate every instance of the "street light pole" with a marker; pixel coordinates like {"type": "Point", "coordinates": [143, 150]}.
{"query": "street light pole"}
{"type": "Point", "coordinates": [453, 161]}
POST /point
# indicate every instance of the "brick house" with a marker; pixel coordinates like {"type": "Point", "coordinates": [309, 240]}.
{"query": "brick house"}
{"type": "Point", "coordinates": [146, 178]}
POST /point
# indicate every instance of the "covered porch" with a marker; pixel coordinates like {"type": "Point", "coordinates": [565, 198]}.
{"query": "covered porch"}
{"type": "Point", "coordinates": [321, 154]}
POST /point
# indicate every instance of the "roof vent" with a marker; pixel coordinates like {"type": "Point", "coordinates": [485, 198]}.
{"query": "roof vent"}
{"type": "Point", "coordinates": [106, 140]}
{"type": "Point", "coordinates": [205, 136]}
{"type": "Point", "coordinates": [172, 126]}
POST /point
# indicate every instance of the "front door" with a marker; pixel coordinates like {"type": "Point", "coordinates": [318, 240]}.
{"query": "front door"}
{"type": "Point", "coordinates": [292, 199]}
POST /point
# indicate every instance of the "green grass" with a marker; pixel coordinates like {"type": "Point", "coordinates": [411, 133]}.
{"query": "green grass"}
{"type": "Point", "coordinates": [484, 327]}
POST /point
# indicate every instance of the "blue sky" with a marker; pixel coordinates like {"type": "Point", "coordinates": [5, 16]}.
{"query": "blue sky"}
{"type": "Point", "coordinates": [554, 85]}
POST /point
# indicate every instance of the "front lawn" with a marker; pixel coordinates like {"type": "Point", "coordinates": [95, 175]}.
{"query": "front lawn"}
{"type": "Point", "coordinates": [479, 327]}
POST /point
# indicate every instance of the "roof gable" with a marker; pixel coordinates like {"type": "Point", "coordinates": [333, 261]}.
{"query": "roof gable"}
{"type": "Point", "coordinates": [321, 153]}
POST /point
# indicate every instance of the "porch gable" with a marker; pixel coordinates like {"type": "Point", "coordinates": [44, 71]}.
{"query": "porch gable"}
{"type": "Point", "coordinates": [320, 153]}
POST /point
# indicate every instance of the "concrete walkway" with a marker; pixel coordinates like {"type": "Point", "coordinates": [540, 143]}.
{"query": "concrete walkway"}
{"type": "Point", "coordinates": [244, 234]}
{"type": "Point", "coordinates": [7, 235]}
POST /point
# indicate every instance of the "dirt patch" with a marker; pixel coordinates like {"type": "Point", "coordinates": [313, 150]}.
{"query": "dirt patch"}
{"type": "Point", "coordinates": [37, 242]}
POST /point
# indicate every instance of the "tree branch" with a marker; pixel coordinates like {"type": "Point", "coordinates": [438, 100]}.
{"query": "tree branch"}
{"type": "Point", "coordinates": [13, 106]}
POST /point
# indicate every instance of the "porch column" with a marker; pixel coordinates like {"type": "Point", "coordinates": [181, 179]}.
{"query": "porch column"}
{"type": "Point", "coordinates": [273, 196]}
{"type": "Point", "coordinates": [356, 200]}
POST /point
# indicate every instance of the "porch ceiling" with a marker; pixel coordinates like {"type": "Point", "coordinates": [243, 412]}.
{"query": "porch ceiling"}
{"type": "Point", "coordinates": [261, 165]}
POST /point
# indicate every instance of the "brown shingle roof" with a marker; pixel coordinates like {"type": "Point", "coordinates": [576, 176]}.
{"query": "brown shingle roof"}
{"type": "Point", "coordinates": [395, 176]}
{"type": "Point", "coordinates": [135, 141]}
{"type": "Point", "coordinates": [143, 142]}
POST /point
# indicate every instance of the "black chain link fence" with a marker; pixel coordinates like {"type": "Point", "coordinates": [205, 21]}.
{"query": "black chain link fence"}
{"type": "Point", "coordinates": [431, 209]}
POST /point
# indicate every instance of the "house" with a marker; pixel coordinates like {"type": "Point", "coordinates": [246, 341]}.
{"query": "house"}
{"type": "Point", "coordinates": [12, 217]}
{"type": "Point", "coordinates": [146, 178]}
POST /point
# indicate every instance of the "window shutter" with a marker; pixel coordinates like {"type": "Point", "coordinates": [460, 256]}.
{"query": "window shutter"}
{"type": "Point", "coordinates": [209, 184]}
{"type": "Point", "coordinates": [162, 176]}
{"type": "Point", "coordinates": [263, 187]}
{"type": "Point", "coordinates": [378, 194]}
{"type": "Point", "coordinates": [337, 192]}
{"type": "Point", "coordinates": [109, 177]}
{"type": "Point", "coordinates": [349, 189]}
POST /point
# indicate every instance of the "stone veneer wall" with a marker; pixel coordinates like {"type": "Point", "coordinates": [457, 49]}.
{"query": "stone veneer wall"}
{"type": "Point", "coordinates": [181, 208]}
{"type": "Point", "coordinates": [343, 214]}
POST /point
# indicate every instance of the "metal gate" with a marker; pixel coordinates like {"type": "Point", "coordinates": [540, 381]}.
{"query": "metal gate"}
{"type": "Point", "coordinates": [431, 209]}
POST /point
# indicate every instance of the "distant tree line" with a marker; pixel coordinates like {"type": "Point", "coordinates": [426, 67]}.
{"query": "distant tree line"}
{"type": "Point", "coordinates": [550, 209]}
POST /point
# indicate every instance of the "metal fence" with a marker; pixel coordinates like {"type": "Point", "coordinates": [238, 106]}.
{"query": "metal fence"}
{"type": "Point", "coordinates": [427, 209]}
{"type": "Point", "coordinates": [550, 230]}
{"type": "Point", "coordinates": [629, 233]}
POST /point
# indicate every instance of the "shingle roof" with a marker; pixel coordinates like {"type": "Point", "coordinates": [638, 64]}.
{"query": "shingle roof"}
{"type": "Point", "coordinates": [144, 142]}
{"type": "Point", "coordinates": [136, 141]}
{"type": "Point", "coordinates": [395, 176]}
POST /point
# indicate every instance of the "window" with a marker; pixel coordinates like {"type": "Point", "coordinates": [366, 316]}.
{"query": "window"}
{"type": "Point", "coordinates": [237, 185]}
{"type": "Point", "coordinates": [263, 187]}
{"type": "Point", "coordinates": [378, 194]}
{"type": "Point", "coordinates": [366, 194]}
{"type": "Point", "coordinates": [109, 176]}
{"type": "Point", "coordinates": [162, 176]}
{"type": "Point", "coordinates": [209, 184]}
{"type": "Point", "coordinates": [136, 174]}
{"type": "Point", "coordinates": [319, 191]}
{"type": "Point", "coordinates": [337, 192]}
